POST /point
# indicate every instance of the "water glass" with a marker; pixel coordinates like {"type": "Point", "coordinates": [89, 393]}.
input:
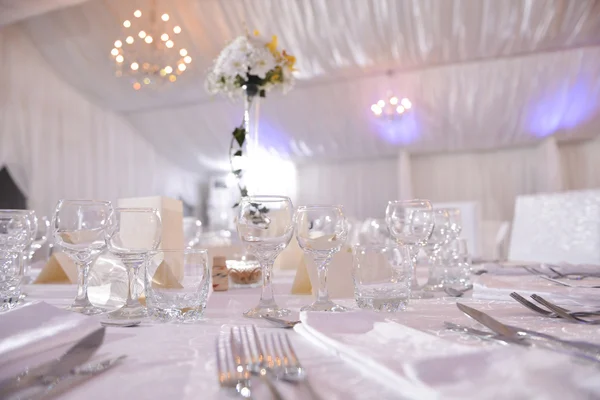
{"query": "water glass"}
{"type": "Point", "coordinates": [10, 278]}
{"type": "Point", "coordinates": [177, 283]}
{"type": "Point", "coordinates": [133, 233]}
{"type": "Point", "coordinates": [79, 228]}
{"type": "Point", "coordinates": [457, 269]}
{"type": "Point", "coordinates": [321, 232]}
{"type": "Point", "coordinates": [265, 226]}
{"type": "Point", "coordinates": [381, 276]}
{"type": "Point", "coordinates": [440, 236]}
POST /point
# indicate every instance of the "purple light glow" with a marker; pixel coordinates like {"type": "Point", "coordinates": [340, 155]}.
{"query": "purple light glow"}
{"type": "Point", "coordinates": [398, 131]}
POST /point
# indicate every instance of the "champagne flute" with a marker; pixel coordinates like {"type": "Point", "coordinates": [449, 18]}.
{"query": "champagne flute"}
{"type": "Point", "coordinates": [321, 232]}
{"type": "Point", "coordinates": [265, 226]}
{"type": "Point", "coordinates": [79, 227]}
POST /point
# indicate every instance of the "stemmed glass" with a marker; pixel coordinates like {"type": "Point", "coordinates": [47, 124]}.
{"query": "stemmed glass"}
{"type": "Point", "coordinates": [79, 227]}
{"type": "Point", "coordinates": [440, 236]}
{"type": "Point", "coordinates": [134, 232]}
{"type": "Point", "coordinates": [321, 232]}
{"type": "Point", "coordinates": [265, 226]}
{"type": "Point", "coordinates": [411, 223]}
{"type": "Point", "coordinates": [41, 232]}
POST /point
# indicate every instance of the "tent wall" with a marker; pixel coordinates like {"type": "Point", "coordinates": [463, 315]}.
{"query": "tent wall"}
{"type": "Point", "coordinates": [57, 144]}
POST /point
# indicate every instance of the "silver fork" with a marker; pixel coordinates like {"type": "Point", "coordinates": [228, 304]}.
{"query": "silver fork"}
{"type": "Point", "coordinates": [230, 370]}
{"type": "Point", "coordinates": [281, 359]}
{"type": "Point", "coordinates": [569, 284]}
{"type": "Point", "coordinates": [254, 356]}
{"type": "Point", "coordinates": [282, 323]}
{"type": "Point", "coordinates": [550, 314]}
{"type": "Point", "coordinates": [560, 311]}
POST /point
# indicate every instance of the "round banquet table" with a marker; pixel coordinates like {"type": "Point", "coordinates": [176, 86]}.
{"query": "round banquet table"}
{"type": "Point", "coordinates": [177, 361]}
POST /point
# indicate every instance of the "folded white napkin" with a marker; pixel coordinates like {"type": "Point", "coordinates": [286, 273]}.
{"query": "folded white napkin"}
{"type": "Point", "coordinates": [37, 328]}
{"type": "Point", "coordinates": [418, 365]}
{"type": "Point", "coordinates": [491, 287]}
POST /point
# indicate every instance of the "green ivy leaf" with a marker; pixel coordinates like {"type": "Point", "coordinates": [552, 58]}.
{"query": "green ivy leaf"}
{"type": "Point", "coordinates": [263, 209]}
{"type": "Point", "coordinates": [237, 153]}
{"type": "Point", "coordinates": [239, 134]}
{"type": "Point", "coordinates": [237, 172]}
{"type": "Point", "coordinates": [244, 192]}
{"type": "Point", "coordinates": [235, 205]}
{"type": "Point", "coordinates": [262, 93]}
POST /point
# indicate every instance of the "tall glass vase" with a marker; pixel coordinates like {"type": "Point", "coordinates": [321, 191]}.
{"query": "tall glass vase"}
{"type": "Point", "coordinates": [251, 125]}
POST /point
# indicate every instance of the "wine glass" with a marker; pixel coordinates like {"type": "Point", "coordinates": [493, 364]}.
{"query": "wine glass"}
{"type": "Point", "coordinates": [440, 236]}
{"type": "Point", "coordinates": [265, 227]}
{"type": "Point", "coordinates": [411, 223]}
{"type": "Point", "coordinates": [321, 232]}
{"type": "Point", "coordinates": [79, 228]}
{"type": "Point", "coordinates": [134, 232]}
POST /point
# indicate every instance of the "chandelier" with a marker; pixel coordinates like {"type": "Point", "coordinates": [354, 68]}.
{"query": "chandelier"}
{"type": "Point", "coordinates": [392, 108]}
{"type": "Point", "coordinates": [146, 52]}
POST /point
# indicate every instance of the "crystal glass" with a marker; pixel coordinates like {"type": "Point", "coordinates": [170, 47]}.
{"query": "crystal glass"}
{"type": "Point", "coordinates": [440, 236]}
{"type": "Point", "coordinates": [79, 228]}
{"type": "Point", "coordinates": [40, 237]}
{"type": "Point", "coordinates": [457, 269]}
{"type": "Point", "coordinates": [134, 232]}
{"type": "Point", "coordinates": [321, 232]}
{"type": "Point", "coordinates": [381, 275]}
{"type": "Point", "coordinates": [374, 231]}
{"type": "Point", "coordinates": [15, 236]}
{"type": "Point", "coordinates": [455, 222]}
{"type": "Point", "coordinates": [265, 227]}
{"type": "Point", "coordinates": [177, 283]}
{"type": "Point", "coordinates": [411, 223]}
{"type": "Point", "coordinates": [10, 278]}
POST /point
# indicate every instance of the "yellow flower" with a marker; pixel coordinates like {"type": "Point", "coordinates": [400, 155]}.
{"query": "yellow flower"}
{"type": "Point", "coordinates": [256, 32]}
{"type": "Point", "coordinates": [290, 60]}
{"type": "Point", "coordinates": [272, 46]}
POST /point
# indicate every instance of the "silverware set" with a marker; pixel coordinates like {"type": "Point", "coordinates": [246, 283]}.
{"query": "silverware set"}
{"type": "Point", "coordinates": [555, 311]}
{"type": "Point", "coordinates": [61, 374]}
{"type": "Point", "coordinates": [509, 334]}
{"type": "Point", "coordinates": [242, 354]}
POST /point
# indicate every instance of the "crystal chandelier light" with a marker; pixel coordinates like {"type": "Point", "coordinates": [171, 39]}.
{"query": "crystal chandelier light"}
{"type": "Point", "coordinates": [392, 108]}
{"type": "Point", "coordinates": [147, 51]}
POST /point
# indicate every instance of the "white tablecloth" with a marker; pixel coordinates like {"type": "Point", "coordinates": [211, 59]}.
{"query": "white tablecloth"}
{"type": "Point", "coordinates": [169, 361]}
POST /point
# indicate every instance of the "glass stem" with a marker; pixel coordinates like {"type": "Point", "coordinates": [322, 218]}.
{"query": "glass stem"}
{"type": "Point", "coordinates": [132, 268]}
{"type": "Point", "coordinates": [83, 270]}
{"type": "Point", "coordinates": [414, 255]}
{"type": "Point", "coordinates": [266, 294]}
{"type": "Point", "coordinates": [322, 264]}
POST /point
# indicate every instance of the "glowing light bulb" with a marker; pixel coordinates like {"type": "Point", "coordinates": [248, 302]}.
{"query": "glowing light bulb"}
{"type": "Point", "coordinates": [120, 58]}
{"type": "Point", "coordinates": [118, 43]}
{"type": "Point", "coordinates": [127, 23]}
{"type": "Point", "coordinates": [137, 13]}
{"type": "Point", "coordinates": [169, 44]}
{"type": "Point", "coordinates": [177, 29]}
{"type": "Point", "coordinates": [381, 103]}
{"type": "Point", "coordinates": [172, 78]}
{"type": "Point", "coordinates": [129, 39]}
{"type": "Point", "coordinates": [148, 39]}
{"type": "Point", "coordinates": [137, 86]}
{"type": "Point", "coordinates": [163, 72]}
{"type": "Point", "coordinates": [406, 103]}
{"type": "Point", "coordinates": [183, 52]}
{"type": "Point", "coordinates": [168, 69]}
{"type": "Point", "coordinates": [146, 81]}
{"type": "Point", "coordinates": [134, 66]}
{"type": "Point", "coordinates": [376, 109]}
{"type": "Point", "coordinates": [114, 52]}
{"type": "Point", "coordinates": [181, 67]}
{"type": "Point", "coordinates": [400, 109]}
{"type": "Point", "coordinates": [165, 17]}
{"type": "Point", "coordinates": [187, 59]}
{"type": "Point", "coordinates": [164, 37]}
{"type": "Point", "coordinates": [394, 101]}
{"type": "Point", "coordinates": [142, 34]}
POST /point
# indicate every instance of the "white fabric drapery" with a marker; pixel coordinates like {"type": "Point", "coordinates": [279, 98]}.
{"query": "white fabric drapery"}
{"type": "Point", "coordinates": [57, 144]}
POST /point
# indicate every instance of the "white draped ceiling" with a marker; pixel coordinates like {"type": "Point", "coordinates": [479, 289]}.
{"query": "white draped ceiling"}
{"type": "Point", "coordinates": [482, 74]}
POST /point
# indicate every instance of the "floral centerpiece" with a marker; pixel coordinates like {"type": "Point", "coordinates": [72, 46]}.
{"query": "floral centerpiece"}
{"type": "Point", "coordinates": [249, 67]}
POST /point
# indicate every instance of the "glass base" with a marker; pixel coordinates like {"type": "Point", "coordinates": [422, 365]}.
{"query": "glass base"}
{"type": "Point", "coordinates": [128, 312]}
{"type": "Point", "coordinates": [328, 306]}
{"type": "Point", "coordinates": [420, 294]}
{"type": "Point", "coordinates": [259, 312]}
{"type": "Point", "coordinates": [85, 310]}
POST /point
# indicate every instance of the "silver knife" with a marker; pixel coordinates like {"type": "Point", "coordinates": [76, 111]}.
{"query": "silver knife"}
{"type": "Point", "coordinates": [75, 356]}
{"type": "Point", "coordinates": [582, 349]}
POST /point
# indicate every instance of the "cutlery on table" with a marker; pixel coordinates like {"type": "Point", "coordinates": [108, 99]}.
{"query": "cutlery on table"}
{"type": "Point", "coordinates": [283, 362]}
{"type": "Point", "coordinates": [569, 284]}
{"type": "Point", "coordinates": [562, 312]}
{"type": "Point", "coordinates": [79, 375]}
{"type": "Point", "coordinates": [121, 324]}
{"type": "Point", "coordinates": [550, 314]}
{"type": "Point", "coordinates": [231, 372]}
{"type": "Point", "coordinates": [75, 356]}
{"type": "Point", "coordinates": [586, 350]}
{"type": "Point", "coordinates": [457, 292]}
{"type": "Point", "coordinates": [282, 323]}
{"type": "Point", "coordinates": [575, 276]}
{"type": "Point", "coordinates": [484, 335]}
{"type": "Point", "coordinates": [254, 357]}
